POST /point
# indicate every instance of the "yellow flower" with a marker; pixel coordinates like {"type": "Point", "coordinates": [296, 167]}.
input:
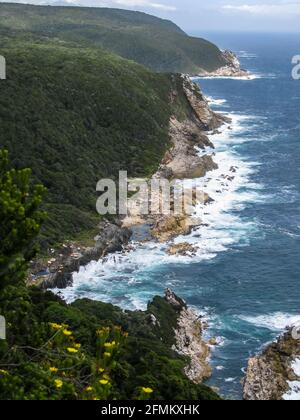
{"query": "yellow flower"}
{"type": "Point", "coordinates": [106, 354]}
{"type": "Point", "coordinates": [3, 372]}
{"type": "Point", "coordinates": [147, 390]}
{"type": "Point", "coordinates": [53, 369]}
{"type": "Point", "coordinates": [89, 389]}
{"type": "Point", "coordinates": [67, 333]}
{"type": "Point", "coordinates": [109, 345]}
{"type": "Point", "coordinates": [58, 383]}
{"type": "Point", "coordinates": [103, 382]}
{"type": "Point", "coordinates": [77, 345]}
{"type": "Point", "coordinates": [126, 334]}
{"type": "Point", "coordinates": [72, 350]}
{"type": "Point", "coordinates": [55, 326]}
{"type": "Point", "coordinates": [101, 370]}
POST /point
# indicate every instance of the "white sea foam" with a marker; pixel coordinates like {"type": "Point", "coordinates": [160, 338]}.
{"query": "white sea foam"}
{"type": "Point", "coordinates": [246, 54]}
{"type": "Point", "coordinates": [248, 77]}
{"type": "Point", "coordinates": [276, 321]}
{"type": "Point", "coordinates": [296, 367]}
{"type": "Point", "coordinates": [294, 393]}
{"type": "Point", "coordinates": [216, 102]}
{"type": "Point", "coordinates": [123, 279]}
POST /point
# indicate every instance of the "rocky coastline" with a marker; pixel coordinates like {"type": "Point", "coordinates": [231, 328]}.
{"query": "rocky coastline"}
{"type": "Point", "coordinates": [180, 162]}
{"type": "Point", "coordinates": [189, 340]}
{"type": "Point", "coordinates": [57, 271]}
{"type": "Point", "coordinates": [183, 161]}
{"type": "Point", "coordinates": [274, 375]}
{"type": "Point", "coordinates": [231, 69]}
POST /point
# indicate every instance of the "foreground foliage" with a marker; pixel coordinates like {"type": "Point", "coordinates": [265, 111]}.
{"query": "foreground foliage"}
{"type": "Point", "coordinates": [84, 351]}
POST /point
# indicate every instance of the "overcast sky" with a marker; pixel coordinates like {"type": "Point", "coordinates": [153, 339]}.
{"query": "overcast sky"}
{"type": "Point", "coordinates": [205, 15]}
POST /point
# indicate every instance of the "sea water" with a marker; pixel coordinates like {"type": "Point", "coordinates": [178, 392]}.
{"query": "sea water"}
{"type": "Point", "coordinates": [245, 276]}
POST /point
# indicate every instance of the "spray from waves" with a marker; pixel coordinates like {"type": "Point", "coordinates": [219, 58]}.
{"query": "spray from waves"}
{"type": "Point", "coordinates": [276, 321]}
{"type": "Point", "coordinates": [250, 77]}
{"type": "Point", "coordinates": [128, 280]}
{"type": "Point", "coordinates": [216, 102]}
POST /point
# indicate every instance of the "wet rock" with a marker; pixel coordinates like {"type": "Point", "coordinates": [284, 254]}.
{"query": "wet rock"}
{"type": "Point", "coordinates": [189, 341]}
{"type": "Point", "coordinates": [183, 249]}
{"type": "Point", "coordinates": [268, 373]}
{"type": "Point", "coordinates": [58, 272]}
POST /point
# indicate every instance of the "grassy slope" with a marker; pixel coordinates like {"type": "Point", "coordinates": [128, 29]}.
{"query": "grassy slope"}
{"type": "Point", "coordinates": [75, 115]}
{"type": "Point", "coordinates": [156, 43]}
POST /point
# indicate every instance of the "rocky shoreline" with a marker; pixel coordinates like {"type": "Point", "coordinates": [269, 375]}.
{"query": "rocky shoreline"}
{"type": "Point", "coordinates": [231, 69]}
{"type": "Point", "coordinates": [189, 340]}
{"type": "Point", "coordinates": [180, 162]}
{"type": "Point", "coordinates": [274, 375]}
{"type": "Point", "coordinates": [57, 271]}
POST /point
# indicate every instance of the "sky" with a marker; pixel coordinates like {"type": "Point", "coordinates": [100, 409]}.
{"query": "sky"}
{"type": "Point", "coordinates": [209, 15]}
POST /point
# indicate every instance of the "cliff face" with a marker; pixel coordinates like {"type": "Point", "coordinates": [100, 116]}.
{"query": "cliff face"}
{"type": "Point", "coordinates": [275, 375]}
{"type": "Point", "coordinates": [182, 160]}
{"type": "Point", "coordinates": [231, 67]}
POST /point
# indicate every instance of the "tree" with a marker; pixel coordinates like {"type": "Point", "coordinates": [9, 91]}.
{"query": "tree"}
{"type": "Point", "coordinates": [20, 221]}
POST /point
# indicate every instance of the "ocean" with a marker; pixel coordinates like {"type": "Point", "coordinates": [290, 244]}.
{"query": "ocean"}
{"type": "Point", "coordinates": [245, 277]}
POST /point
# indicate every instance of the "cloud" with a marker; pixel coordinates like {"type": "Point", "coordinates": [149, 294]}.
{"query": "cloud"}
{"type": "Point", "coordinates": [139, 3]}
{"type": "Point", "coordinates": [280, 10]}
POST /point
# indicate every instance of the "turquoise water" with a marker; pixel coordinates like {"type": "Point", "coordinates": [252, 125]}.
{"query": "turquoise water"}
{"type": "Point", "coordinates": [246, 274]}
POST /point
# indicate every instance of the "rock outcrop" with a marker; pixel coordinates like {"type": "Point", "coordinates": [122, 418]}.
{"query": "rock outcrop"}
{"type": "Point", "coordinates": [58, 271]}
{"type": "Point", "coordinates": [189, 340]}
{"type": "Point", "coordinates": [183, 249]}
{"type": "Point", "coordinates": [182, 161]}
{"type": "Point", "coordinates": [231, 69]}
{"type": "Point", "coordinates": [271, 376]}
{"type": "Point", "coordinates": [167, 227]}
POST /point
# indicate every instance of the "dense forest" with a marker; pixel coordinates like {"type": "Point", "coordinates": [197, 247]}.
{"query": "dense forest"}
{"type": "Point", "coordinates": [155, 43]}
{"type": "Point", "coordinates": [75, 115]}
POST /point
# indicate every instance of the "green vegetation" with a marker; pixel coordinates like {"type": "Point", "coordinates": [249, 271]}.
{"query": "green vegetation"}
{"type": "Point", "coordinates": [87, 350]}
{"type": "Point", "coordinates": [20, 221]}
{"type": "Point", "coordinates": [155, 43]}
{"type": "Point", "coordinates": [75, 115]}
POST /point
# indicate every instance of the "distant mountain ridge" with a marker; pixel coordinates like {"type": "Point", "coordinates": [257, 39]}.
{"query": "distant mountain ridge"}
{"type": "Point", "coordinates": [153, 42]}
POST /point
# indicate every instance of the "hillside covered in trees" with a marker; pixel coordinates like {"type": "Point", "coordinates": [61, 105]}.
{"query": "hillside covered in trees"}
{"type": "Point", "coordinates": [155, 43]}
{"type": "Point", "coordinates": [75, 115]}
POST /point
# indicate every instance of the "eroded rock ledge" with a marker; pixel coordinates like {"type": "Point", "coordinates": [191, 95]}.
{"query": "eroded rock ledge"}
{"type": "Point", "coordinates": [271, 376]}
{"type": "Point", "coordinates": [231, 69]}
{"type": "Point", "coordinates": [189, 340]}
{"type": "Point", "coordinates": [57, 271]}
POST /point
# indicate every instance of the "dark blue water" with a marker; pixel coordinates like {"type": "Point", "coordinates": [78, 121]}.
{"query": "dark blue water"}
{"type": "Point", "coordinates": [250, 286]}
{"type": "Point", "coordinates": [262, 280]}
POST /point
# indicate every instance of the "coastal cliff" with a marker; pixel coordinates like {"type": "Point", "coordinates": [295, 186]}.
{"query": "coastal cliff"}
{"type": "Point", "coordinates": [232, 68]}
{"type": "Point", "coordinates": [275, 374]}
{"type": "Point", "coordinates": [181, 161]}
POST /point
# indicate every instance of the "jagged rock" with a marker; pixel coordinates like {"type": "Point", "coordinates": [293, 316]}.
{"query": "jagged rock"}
{"type": "Point", "coordinates": [213, 342]}
{"type": "Point", "coordinates": [168, 227]}
{"type": "Point", "coordinates": [231, 69]}
{"type": "Point", "coordinates": [153, 320]}
{"type": "Point", "coordinates": [174, 300]}
{"type": "Point", "coordinates": [189, 341]}
{"type": "Point", "coordinates": [268, 374]}
{"type": "Point", "coordinates": [182, 249]}
{"type": "Point", "coordinates": [58, 272]}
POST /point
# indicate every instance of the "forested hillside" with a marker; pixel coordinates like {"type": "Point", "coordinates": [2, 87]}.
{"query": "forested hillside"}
{"type": "Point", "coordinates": [75, 115]}
{"type": "Point", "coordinates": [156, 43]}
